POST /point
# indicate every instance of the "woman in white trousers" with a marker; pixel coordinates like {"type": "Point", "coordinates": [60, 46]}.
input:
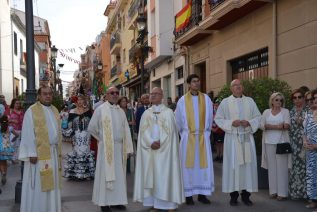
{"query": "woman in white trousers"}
{"type": "Point", "coordinates": [275, 124]}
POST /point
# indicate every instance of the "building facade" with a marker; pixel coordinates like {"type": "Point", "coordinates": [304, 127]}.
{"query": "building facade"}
{"type": "Point", "coordinates": [6, 58]}
{"type": "Point", "coordinates": [247, 39]}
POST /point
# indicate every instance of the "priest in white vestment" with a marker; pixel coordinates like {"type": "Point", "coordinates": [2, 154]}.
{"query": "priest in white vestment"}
{"type": "Point", "coordinates": [110, 127]}
{"type": "Point", "coordinates": [194, 117]}
{"type": "Point", "coordinates": [239, 117]}
{"type": "Point", "coordinates": [158, 178]}
{"type": "Point", "coordinates": [40, 149]}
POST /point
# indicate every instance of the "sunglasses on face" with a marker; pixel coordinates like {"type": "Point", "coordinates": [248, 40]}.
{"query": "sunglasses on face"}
{"type": "Point", "coordinates": [114, 92]}
{"type": "Point", "coordinates": [297, 97]}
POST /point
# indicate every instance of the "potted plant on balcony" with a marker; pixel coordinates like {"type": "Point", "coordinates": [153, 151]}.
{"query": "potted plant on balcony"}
{"type": "Point", "coordinates": [260, 90]}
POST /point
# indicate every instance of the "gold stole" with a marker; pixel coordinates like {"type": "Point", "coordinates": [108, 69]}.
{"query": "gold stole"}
{"type": "Point", "coordinates": [43, 147]}
{"type": "Point", "coordinates": [190, 114]}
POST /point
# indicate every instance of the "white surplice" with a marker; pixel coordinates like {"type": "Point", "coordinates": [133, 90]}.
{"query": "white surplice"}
{"type": "Point", "coordinates": [158, 178]}
{"type": "Point", "coordinates": [33, 199]}
{"type": "Point", "coordinates": [196, 179]}
{"type": "Point", "coordinates": [239, 167]}
{"type": "Point", "coordinates": [113, 192]}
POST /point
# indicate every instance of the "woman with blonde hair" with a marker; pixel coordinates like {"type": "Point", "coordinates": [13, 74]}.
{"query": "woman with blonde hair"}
{"type": "Point", "coordinates": [275, 124]}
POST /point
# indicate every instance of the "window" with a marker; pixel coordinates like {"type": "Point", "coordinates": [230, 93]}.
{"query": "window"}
{"type": "Point", "coordinates": [179, 72]}
{"type": "Point", "coordinates": [15, 43]}
{"type": "Point", "coordinates": [250, 61]}
{"type": "Point", "coordinates": [123, 56]}
{"type": "Point", "coordinates": [251, 66]}
{"type": "Point", "coordinates": [21, 51]}
{"type": "Point", "coordinates": [180, 90]}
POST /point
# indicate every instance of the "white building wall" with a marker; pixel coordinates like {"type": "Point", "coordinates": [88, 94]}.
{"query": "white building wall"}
{"type": "Point", "coordinates": [6, 72]}
{"type": "Point", "coordinates": [16, 60]}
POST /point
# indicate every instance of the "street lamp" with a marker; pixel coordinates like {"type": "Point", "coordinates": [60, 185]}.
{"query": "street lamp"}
{"type": "Point", "coordinates": [58, 72]}
{"type": "Point", "coordinates": [53, 58]}
{"type": "Point", "coordinates": [141, 25]}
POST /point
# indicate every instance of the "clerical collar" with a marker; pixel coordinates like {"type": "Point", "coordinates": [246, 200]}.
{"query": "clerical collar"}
{"type": "Point", "coordinates": [45, 105]}
{"type": "Point", "coordinates": [194, 94]}
{"type": "Point", "coordinates": [156, 108]}
{"type": "Point", "coordinates": [112, 105]}
{"type": "Point", "coordinates": [237, 96]}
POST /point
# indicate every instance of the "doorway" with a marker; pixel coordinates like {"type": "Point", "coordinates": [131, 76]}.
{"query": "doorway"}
{"type": "Point", "coordinates": [200, 70]}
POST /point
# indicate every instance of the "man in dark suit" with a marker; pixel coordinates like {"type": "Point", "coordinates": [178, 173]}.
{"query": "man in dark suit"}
{"type": "Point", "coordinates": [145, 100]}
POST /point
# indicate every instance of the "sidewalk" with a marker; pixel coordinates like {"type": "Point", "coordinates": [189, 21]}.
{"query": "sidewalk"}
{"type": "Point", "coordinates": [76, 197]}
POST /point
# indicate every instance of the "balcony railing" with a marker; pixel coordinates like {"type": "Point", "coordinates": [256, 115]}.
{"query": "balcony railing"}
{"type": "Point", "coordinates": [115, 70]}
{"type": "Point", "coordinates": [215, 3]}
{"type": "Point", "coordinates": [133, 9]}
{"type": "Point", "coordinates": [194, 20]}
{"type": "Point", "coordinates": [115, 38]}
{"type": "Point", "coordinates": [133, 52]}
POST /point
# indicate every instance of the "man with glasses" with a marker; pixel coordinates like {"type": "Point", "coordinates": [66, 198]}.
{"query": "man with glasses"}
{"type": "Point", "coordinates": [110, 127]}
{"type": "Point", "coordinates": [194, 117]}
{"type": "Point", "coordinates": [40, 149]}
{"type": "Point", "coordinates": [158, 178]}
{"type": "Point", "coordinates": [239, 117]}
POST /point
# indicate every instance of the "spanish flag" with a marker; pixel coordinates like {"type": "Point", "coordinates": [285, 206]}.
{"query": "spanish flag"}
{"type": "Point", "coordinates": [183, 16]}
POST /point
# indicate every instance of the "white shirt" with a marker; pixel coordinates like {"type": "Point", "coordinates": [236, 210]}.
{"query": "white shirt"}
{"type": "Point", "coordinates": [274, 136]}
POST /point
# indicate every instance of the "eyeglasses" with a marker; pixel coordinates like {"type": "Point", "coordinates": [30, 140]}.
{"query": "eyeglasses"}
{"type": "Point", "coordinates": [278, 100]}
{"type": "Point", "coordinates": [297, 97]}
{"type": "Point", "coordinates": [114, 92]}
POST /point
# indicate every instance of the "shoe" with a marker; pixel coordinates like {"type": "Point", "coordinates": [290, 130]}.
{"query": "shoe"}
{"type": "Point", "coordinates": [3, 179]}
{"type": "Point", "coordinates": [203, 199]}
{"type": "Point", "coordinates": [273, 196]}
{"type": "Point", "coordinates": [245, 197]}
{"type": "Point", "coordinates": [105, 209]}
{"type": "Point", "coordinates": [234, 198]}
{"type": "Point", "coordinates": [119, 207]}
{"type": "Point", "coordinates": [190, 201]}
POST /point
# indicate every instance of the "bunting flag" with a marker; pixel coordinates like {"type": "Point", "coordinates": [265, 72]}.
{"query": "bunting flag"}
{"type": "Point", "coordinates": [183, 17]}
{"type": "Point", "coordinates": [68, 57]}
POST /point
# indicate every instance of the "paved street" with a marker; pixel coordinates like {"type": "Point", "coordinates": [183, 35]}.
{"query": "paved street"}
{"type": "Point", "coordinates": [76, 196]}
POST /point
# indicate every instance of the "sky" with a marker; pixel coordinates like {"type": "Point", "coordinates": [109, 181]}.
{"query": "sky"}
{"type": "Point", "coordinates": [72, 23]}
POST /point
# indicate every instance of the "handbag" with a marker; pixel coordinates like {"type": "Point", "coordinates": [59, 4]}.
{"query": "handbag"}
{"type": "Point", "coordinates": [283, 148]}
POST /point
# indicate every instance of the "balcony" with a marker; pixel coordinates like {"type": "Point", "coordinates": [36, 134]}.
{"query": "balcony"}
{"type": "Point", "coordinates": [133, 52]}
{"type": "Point", "coordinates": [115, 43]}
{"type": "Point", "coordinates": [225, 12]}
{"type": "Point", "coordinates": [133, 13]}
{"type": "Point", "coordinates": [192, 32]}
{"type": "Point", "coordinates": [222, 13]}
{"type": "Point", "coordinates": [115, 70]}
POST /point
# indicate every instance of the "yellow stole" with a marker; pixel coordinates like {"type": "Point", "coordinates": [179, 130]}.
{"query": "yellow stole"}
{"type": "Point", "coordinates": [190, 114]}
{"type": "Point", "coordinates": [43, 146]}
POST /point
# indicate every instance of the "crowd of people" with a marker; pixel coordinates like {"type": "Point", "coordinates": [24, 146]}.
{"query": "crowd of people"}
{"type": "Point", "coordinates": [169, 147]}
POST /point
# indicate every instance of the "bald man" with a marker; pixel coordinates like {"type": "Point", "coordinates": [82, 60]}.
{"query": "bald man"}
{"type": "Point", "coordinates": [110, 127]}
{"type": "Point", "coordinates": [158, 178]}
{"type": "Point", "coordinates": [239, 117]}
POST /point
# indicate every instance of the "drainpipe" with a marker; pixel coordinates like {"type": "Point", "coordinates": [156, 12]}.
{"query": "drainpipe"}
{"type": "Point", "coordinates": [274, 43]}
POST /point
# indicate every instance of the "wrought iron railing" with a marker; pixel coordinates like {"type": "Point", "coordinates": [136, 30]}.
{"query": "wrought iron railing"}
{"type": "Point", "coordinates": [115, 38]}
{"type": "Point", "coordinates": [194, 20]}
{"type": "Point", "coordinates": [133, 9]}
{"type": "Point", "coordinates": [215, 3]}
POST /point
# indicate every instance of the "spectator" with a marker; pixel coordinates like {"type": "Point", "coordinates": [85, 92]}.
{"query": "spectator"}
{"type": "Point", "coordinates": [297, 182]}
{"type": "Point", "coordinates": [218, 135]}
{"type": "Point", "coordinates": [170, 104]}
{"type": "Point", "coordinates": [145, 100]}
{"type": "Point", "coordinates": [310, 144]}
{"type": "Point", "coordinates": [15, 121]}
{"type": "Point", "coordinates": [275, 124]}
